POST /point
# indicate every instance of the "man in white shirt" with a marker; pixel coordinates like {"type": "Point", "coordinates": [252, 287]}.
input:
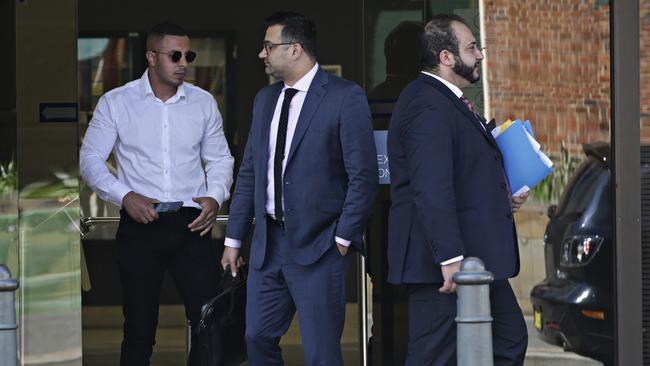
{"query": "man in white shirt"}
{"type": "Point", "coordinates": [309, 177]}
{"type": "Point", "coordinates": [161, 130]}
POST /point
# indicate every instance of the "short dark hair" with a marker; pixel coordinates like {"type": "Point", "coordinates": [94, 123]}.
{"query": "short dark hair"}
{"type": "Point", "coordinates": [296, 28]}
{"type": "Point", "coordinates": [438, 35]}
{"type": "Point", "coordinates": [161, 30]}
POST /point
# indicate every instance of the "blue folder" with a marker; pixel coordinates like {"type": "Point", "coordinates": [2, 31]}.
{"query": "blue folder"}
{"type": "Point", "coordinates": [524, 167]}
{"type": "Point", "coordinates": [529, 128]}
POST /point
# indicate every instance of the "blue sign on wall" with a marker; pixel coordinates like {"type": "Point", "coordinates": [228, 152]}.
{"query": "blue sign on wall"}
{"type": "Point", "coordinates": [382, 156]}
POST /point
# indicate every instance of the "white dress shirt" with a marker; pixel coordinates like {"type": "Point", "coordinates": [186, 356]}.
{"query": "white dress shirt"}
{"type": "Point", "coordinates": [295, 107]}
{"type": "Point", "coordinates": [159, 146]}
{"type": "Point", "coordinates": [456, 90]}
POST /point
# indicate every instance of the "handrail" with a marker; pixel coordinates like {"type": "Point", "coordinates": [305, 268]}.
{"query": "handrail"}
{"type": "Point", "coordinates": [87, 222]}
{"type": "Point", "coordinates": [91, 221]}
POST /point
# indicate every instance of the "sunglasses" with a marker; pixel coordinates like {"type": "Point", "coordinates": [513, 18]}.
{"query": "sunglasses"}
{"type": "Point", "coordinates": [177, 55]}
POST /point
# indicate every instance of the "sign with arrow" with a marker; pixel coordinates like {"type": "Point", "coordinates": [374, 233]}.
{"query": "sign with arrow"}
{"type": "Point", "coordinates": [59, 112]}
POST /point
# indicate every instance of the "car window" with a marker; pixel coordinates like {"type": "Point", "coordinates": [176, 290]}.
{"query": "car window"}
{"type": "Point", "coordinates": [582, 187]}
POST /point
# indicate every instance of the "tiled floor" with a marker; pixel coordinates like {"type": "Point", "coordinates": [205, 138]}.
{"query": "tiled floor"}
{"type": "Point", "coordinates": [102, 336]}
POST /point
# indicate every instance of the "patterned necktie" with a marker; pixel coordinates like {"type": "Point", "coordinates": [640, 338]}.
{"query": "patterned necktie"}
{"type": "Point", "coordinates": [280, 144]}
{"type": "Point", "coordinates": [506, 183]}
{"type": "Point", "coordinates": [469, 106]}
{"type": "Point", "coordinates": [467, 103]}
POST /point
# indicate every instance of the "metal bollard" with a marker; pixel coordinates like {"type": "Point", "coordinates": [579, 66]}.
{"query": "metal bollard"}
{"type": "Point", "coordinates": [473, 320]}
{"type": "Point", "coordinates": [8, 327]}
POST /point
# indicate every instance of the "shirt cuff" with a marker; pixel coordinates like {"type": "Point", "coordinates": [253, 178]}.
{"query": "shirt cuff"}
{"type": "Point", "coordinates": [218, 196]}
{"type": "Point", "coordinates": [232, 243]}
{"type": "Point", "coordinates": [118, 191]}
{"type": "Point", "coordinates": [452, 260]}
{"type": "Point", "coordinates": [345, 243]}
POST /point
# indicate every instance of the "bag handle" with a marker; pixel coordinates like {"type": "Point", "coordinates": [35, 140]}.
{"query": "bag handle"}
{"type": "Point", "coordinates": [236, 282]}
{"type": "Point", "coordinates": [241, 277]}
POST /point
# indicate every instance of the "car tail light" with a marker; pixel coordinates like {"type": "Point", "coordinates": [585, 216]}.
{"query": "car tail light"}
{"type": "Point", "coordinates": [600, 315]}
{"type": "Point", "coordinates": [579, 250]}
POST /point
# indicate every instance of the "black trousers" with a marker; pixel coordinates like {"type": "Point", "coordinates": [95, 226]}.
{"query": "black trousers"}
{"type": "Point", "coordinates": [144, 253]}
{"type": "Point", "coordinates": [432, 326]}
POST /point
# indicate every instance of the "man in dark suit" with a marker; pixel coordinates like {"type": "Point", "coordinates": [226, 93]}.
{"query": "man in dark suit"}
{"type": "Point", "coordinates": [450, 199]}
{"type": "Point", "coordinates": [309, 178]}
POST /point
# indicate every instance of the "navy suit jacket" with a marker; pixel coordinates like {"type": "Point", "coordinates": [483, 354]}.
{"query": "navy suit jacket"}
{"type": "Point", "coordinates": [449, 195]}
{"type": "Point", "coordinates": [330, 179]}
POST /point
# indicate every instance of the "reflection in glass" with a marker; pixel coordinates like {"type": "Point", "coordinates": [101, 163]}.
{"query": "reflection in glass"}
{"type": "Point", "coordinates": [391, 38]}
{"type": "Point", "coordinates": [50, 278]}
{"type": "Point", "coordinates": [103, 64]}
{"type": "Point", "coordinates": [208, 71]}
{"type": "Point", "coordinates": [48, 258]}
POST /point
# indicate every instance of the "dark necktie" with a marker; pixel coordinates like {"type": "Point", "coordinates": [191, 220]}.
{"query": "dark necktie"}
{"type": "Point", "coordinates": [467, 103]}
{"type": "Point", "coordinates": [280, 144]}
{"type": "Point", "coordinates": [469, 106]}
{"type": "Point", "coordinates": [506, 183]}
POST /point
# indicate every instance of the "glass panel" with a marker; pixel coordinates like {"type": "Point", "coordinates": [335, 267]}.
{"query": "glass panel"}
{"type": "Point", "coordinates": [8, 144]}
{"type": "Point", "coordinates": [391, 62]}
{"type": "Point", "coordinates": [103, 64]}
{"type": "Point", "coordinates": [579, 191]}
{"type": "Point", "coordinates": [48, 232]}
{"type": "Point", "coordinates": [208, 71]}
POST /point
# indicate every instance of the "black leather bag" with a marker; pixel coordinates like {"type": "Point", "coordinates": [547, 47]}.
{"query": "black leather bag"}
{"type": "Point", "coordinates": [223, 323]}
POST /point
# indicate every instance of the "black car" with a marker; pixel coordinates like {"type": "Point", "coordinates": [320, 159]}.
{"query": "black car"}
{"type": "Point", "coordinates": [574, 306]}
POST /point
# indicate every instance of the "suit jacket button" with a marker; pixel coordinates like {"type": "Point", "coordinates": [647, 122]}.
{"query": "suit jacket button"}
{"type": "Point", "coordinates": [503, 186]}
{"type": "Point", "coordinates": [287, 183]}
{"type": "Point", "coordinates": [509, 215]}
{"type": "Point", "coordinates": [496, 157]}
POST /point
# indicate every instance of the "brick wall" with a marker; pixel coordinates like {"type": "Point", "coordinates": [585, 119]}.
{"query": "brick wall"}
{"type": "Point", "coordinates": [548, 61]}
{"type": "Point", "coordinates": [644, 67]}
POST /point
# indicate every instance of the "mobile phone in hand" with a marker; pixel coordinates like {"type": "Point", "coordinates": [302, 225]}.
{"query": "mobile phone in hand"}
{"type": "Point", "coordinates": [162, 207]}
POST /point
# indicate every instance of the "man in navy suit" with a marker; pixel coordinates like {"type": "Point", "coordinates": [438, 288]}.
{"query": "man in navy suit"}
{"type": "Point", "coordinates": [309, 178]}
{"type": "Point", "coordinates": [450, 199]}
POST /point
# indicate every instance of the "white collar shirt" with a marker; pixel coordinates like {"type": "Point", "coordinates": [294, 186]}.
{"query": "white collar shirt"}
{"type": "Point", "coordinates": [456, 90]}
{"type": "Point", "coordinates": [295, 107]}
{"type": "Point", "coordinates": [169, 151]}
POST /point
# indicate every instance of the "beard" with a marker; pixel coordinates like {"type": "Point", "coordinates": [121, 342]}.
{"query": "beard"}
{"type": "Point", "coordinates": [466, 71]}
